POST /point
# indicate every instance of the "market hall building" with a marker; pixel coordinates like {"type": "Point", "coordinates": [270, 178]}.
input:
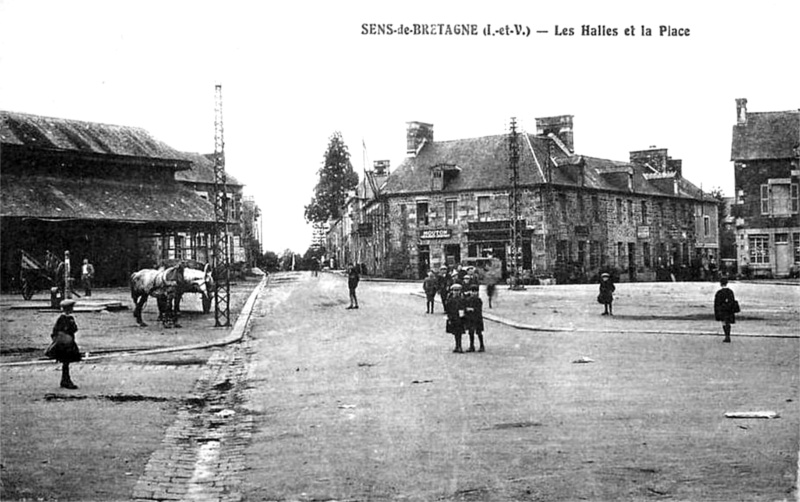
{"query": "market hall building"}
{"type": "Point", "coordinates": [450, 200]}
{"type": "Point", "coordinates": [104, 192]}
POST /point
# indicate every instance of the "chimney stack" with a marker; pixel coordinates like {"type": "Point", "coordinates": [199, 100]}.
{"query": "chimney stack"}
{"type": "Point", "coordinates": [741, 111]}
{"type": "Point", "coordinates": [381, 167]}
{"type": "Point", "coordinates": [417, 134]}
{"type": "Point", "coordinates": [561, 126]}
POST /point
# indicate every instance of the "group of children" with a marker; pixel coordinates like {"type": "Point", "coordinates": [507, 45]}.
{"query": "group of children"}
{"type": "Point", "coordinates": [464, 309]}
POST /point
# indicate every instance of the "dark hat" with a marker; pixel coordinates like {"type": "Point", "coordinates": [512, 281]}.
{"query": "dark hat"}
{"type": "Point", "coordinates": [67, 304]}
{"type": "Point", "coordinates": [474, 287]}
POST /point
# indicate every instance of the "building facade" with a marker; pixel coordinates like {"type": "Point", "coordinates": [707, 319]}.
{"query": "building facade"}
{"type": "Point", "coordinates": [765, 152]}
{"type": "Point", "coordinates": [578, 215]}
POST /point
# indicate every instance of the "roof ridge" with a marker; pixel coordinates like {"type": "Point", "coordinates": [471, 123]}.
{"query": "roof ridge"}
{"type": "Point", "coordinates": [77, 121]}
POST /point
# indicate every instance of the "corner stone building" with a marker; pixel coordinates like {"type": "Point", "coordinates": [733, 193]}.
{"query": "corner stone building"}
{"type": "Point", "coordinates": [765, 151]}
{"type": "Point", "coordinates": [450, 200]}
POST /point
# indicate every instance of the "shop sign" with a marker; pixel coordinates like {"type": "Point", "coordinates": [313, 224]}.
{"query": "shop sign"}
{"type": "Point", "coordinates": [440, 233]}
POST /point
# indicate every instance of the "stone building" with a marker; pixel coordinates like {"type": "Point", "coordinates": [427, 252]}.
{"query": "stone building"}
{"type": "Point", "coordinates": [765, 151]}
{"type": "Point", "coordinates": [104, 192]}
{"type": "Point", "coordinates": [449, 200]}
{"type": "Point", "coordinates": [242, 231]}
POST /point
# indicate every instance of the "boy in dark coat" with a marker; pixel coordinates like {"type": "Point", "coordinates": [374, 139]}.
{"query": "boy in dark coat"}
{"type": "Point", "coordinates": [64, 348]}
{"type": "Point", "coordinates": [454, 308]}
{"type": "Point", "coordinates": [725, 308]}
{"type": "Point", "coordinates": [431, 287]}
{"type": "Point", "coordinates": [473, 317]}
{"type": "Point", "coordinates": [606, 296]}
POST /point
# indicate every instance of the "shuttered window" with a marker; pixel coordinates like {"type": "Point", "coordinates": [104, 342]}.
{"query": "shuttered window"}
{"type": "Point", "coordinates": [764, 199]}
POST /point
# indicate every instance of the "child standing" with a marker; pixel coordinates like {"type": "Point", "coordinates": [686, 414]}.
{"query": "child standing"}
{"type": "Point", "coordinates": [606, 296]}
{"type": "Point", "coordinates": [431, 286]}
{"type": "Point", "coordinates": [725, 308]}
{"type": "Point", "coordinates": [63, 348]}
{"type": "Point", "coordinates": [473, 317]}
{"type": "Point", "coordinates": [454, 308]}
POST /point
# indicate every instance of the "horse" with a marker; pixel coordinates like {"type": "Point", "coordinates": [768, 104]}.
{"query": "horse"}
{"type": "Point", "coordinates": [196, 281]}
{"type": "Point", "coordinates": [162, 284]}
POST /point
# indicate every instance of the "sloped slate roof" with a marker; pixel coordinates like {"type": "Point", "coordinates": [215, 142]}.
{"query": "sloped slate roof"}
{"type": "Point", "coordinates": [95, 199]}
{"type": "Point", "coordinates": [202, 170]}
{"type": "Point", "coordinates": [90, 137]}
{"type": "Point", "coordinates": [766, 135]}
{"type": "Point", "coordinates": [483, 164]}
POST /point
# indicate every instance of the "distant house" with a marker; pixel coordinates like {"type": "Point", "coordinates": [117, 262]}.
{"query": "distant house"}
{"type": "Point", "coordinates": [765, 151]}
{"type": "Point", "coordinates": [104, 192]}
{"type": "Point", "coordinates": [242, 231]}
{"type": "Point", "coordinates": [450, 200]}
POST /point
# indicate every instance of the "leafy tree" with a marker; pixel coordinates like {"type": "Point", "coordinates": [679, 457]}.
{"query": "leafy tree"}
{"type": "Point", "coordinates": [271, 261]}
{"type": "Point", "coordinates": [336, 178]}
{"type": "Point", "coordinates": [727, 237]}
{"type": "Point", "coordinates": [313, 253]}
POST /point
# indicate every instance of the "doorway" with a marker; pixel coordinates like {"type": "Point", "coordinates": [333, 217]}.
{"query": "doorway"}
{"type": "Point", "coordinates": [784, 257]}
{"type": "Point", "coordinates": [423, 260]}
{"type": "Point", "coordinates": [452, 254]}
{"type": "Point", "coordinates": [632, 261]}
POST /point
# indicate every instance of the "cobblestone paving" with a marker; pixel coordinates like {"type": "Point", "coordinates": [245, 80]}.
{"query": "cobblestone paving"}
{"type": "Point", "coordinates": [202, 453]}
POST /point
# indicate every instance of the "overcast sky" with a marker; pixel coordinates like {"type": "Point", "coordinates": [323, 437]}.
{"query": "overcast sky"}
{"type": "Point", "coordinates": [292, 73]}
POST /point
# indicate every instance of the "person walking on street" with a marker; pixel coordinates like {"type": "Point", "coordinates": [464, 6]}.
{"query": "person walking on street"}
{"type": "Point", "coordinates": [454, 308]}
{"type": "Point", "coordinates": [87, 276]}
{"type": "Point", "coordinates": [353, 276]}
{"type": "Point", "coordinates": [431, 287]}
{"type": "Point", "coordinates": [443, 281]}
{"type": "Point", "coordinates": [473, 317]}
{"type": "Point", "coordinates": [725, 308]}
{"type": "Point", "coordinates": [606, 296]}
{"type": "Point", "coordinates": [63, 347]}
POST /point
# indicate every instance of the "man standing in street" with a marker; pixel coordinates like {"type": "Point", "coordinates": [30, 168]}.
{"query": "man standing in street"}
{"type": "Point", "coordinates": [87, 276]}
{"type": "Point", "coordinates": [353, 277]}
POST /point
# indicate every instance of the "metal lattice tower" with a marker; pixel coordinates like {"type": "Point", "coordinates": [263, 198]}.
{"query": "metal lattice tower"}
{"type": "Point", "coordinates": [516, 231]}
{"type": "Point", "coordinates": [222, 289]}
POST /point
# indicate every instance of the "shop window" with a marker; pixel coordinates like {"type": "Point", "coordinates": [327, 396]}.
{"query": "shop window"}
{"type": "Point", "coordinates": [759, 248]}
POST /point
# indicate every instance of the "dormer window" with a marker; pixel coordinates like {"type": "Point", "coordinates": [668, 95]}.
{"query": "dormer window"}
{"type": "Point", "coordinates": [442, 175]}
{"type": "Point", "coordinates": [437, 180]}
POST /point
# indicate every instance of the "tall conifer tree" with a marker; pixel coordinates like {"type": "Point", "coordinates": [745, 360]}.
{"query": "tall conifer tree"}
{"type": "Point", "coordinates": [336, 178]}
